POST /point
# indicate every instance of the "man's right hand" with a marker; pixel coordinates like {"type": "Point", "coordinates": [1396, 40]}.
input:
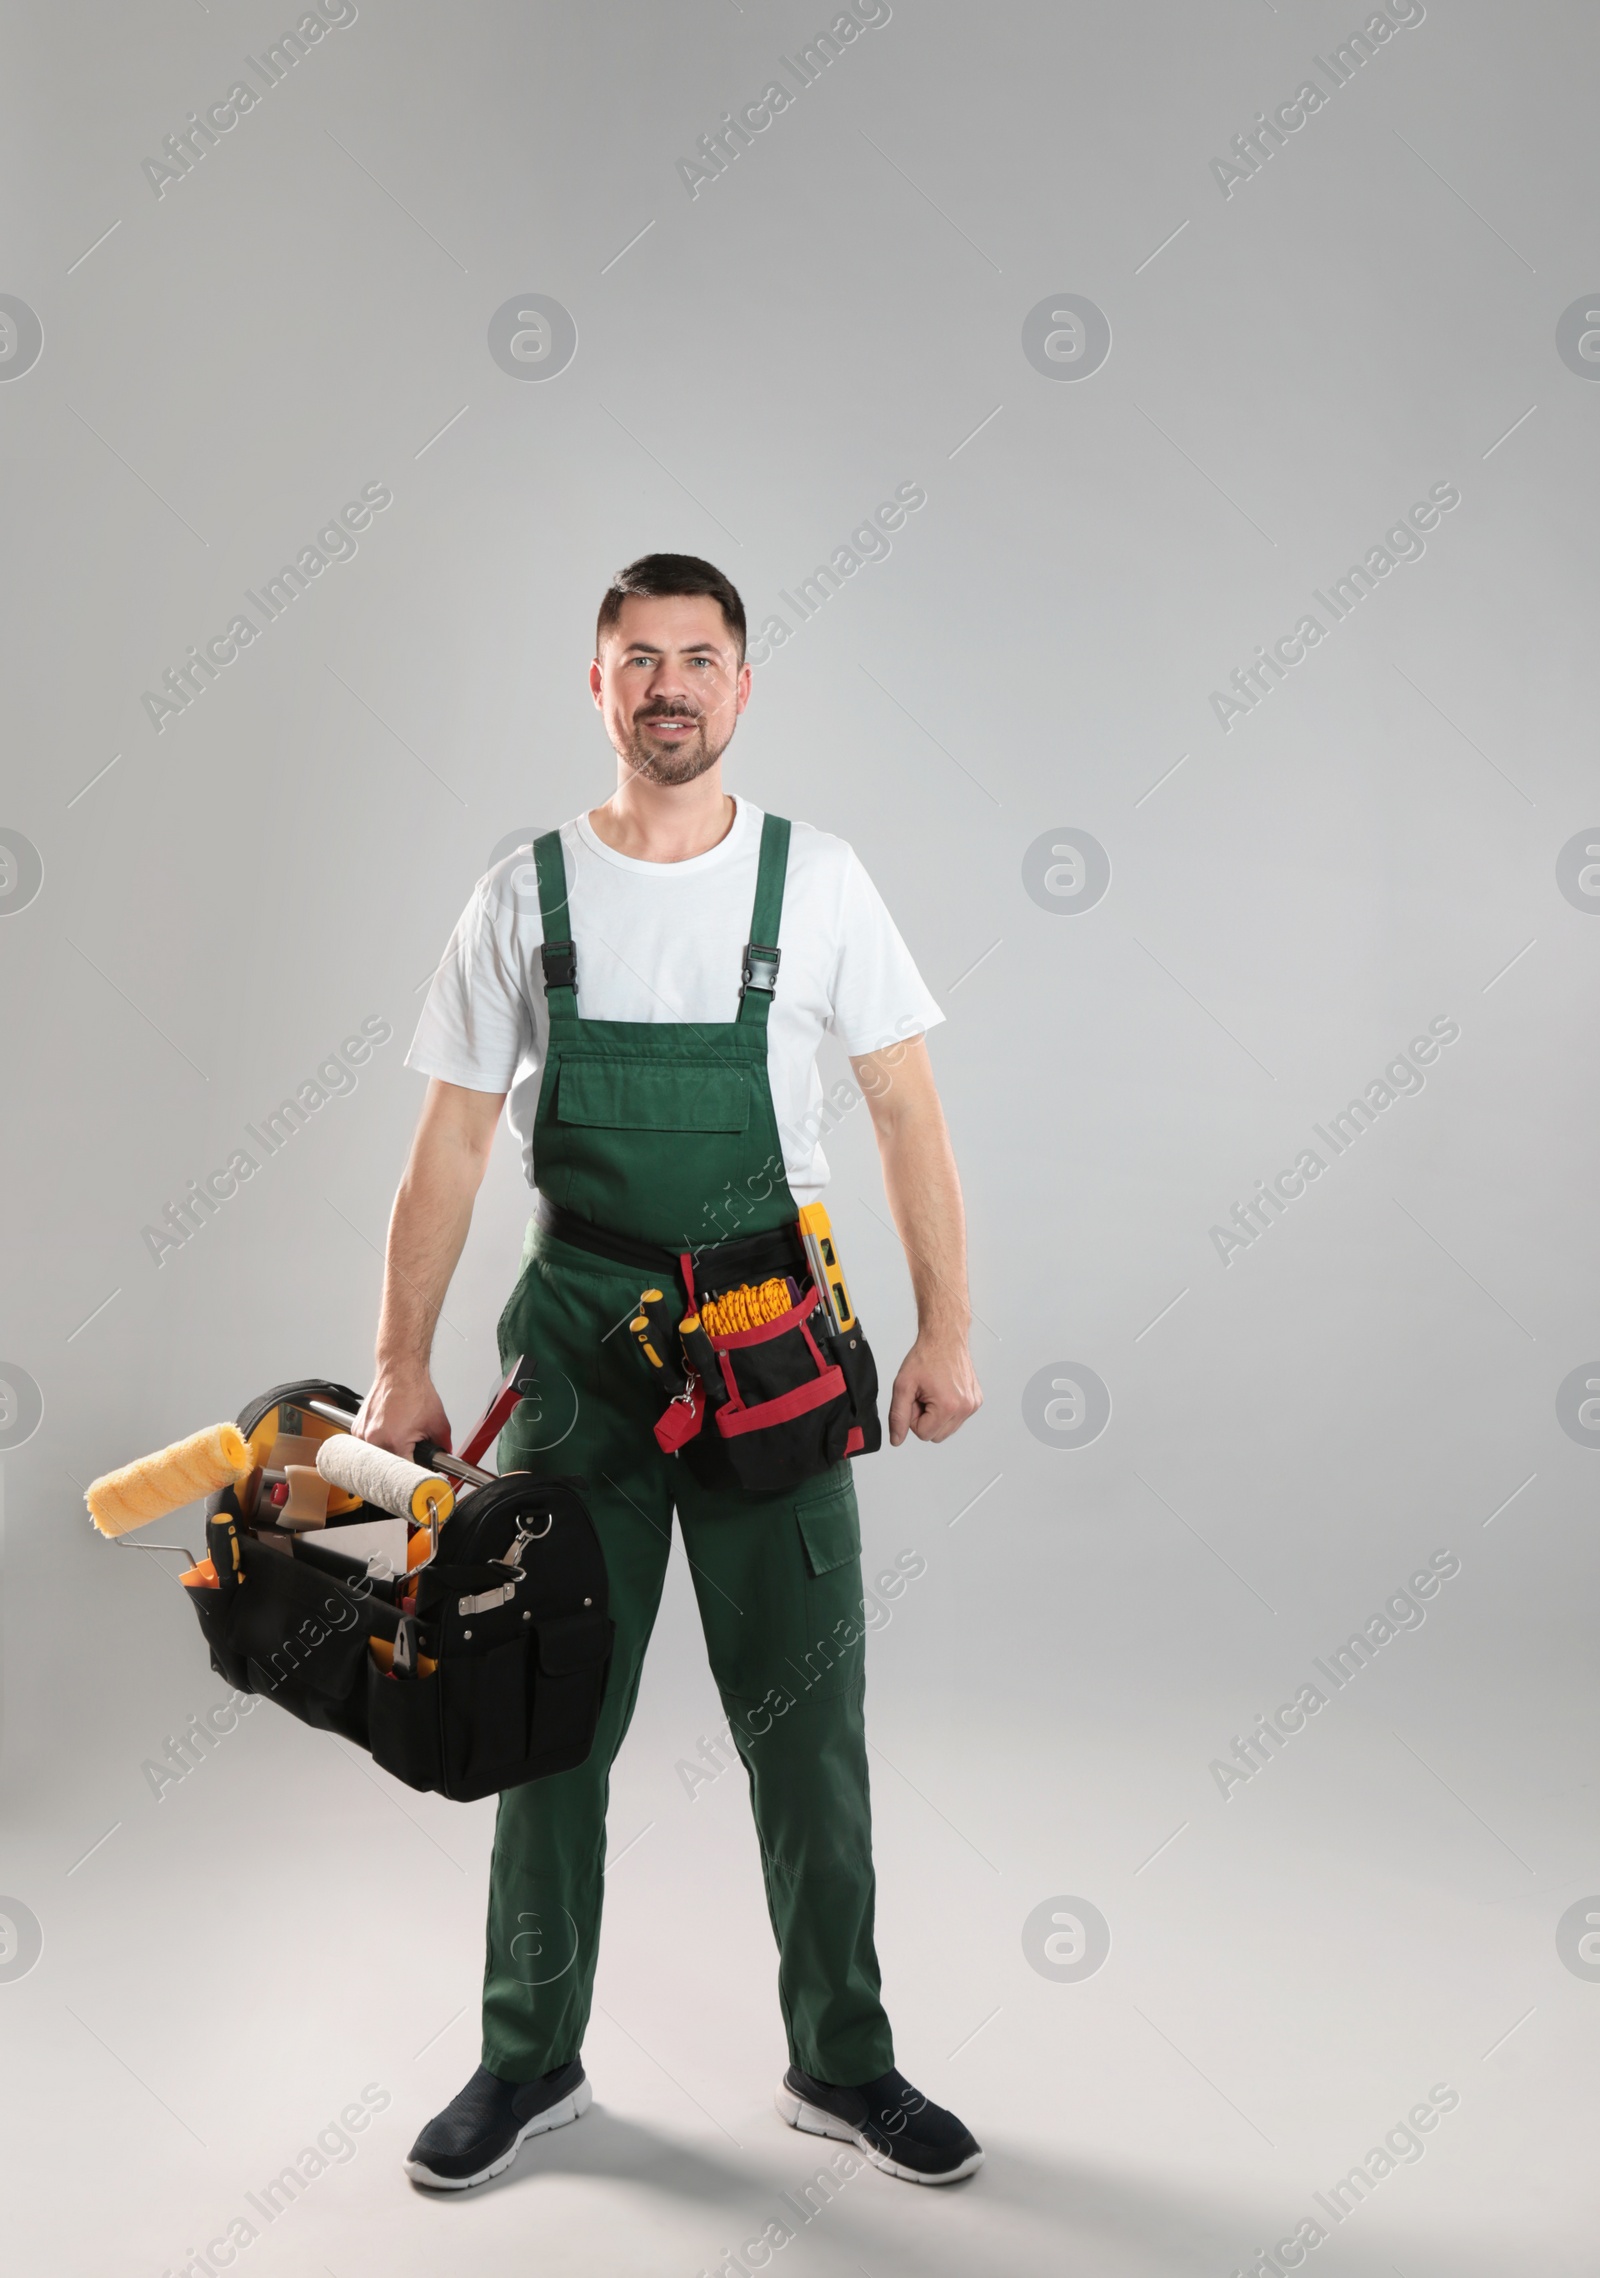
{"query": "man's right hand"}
{"type": "Point", "coordinates": [401, 1409]}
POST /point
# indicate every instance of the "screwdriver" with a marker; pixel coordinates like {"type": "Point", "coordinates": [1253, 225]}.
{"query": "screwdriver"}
{"type": "Point", "coordinates": [703, 1359]}
{"type": "Point", "coordinates": [654, 1328]}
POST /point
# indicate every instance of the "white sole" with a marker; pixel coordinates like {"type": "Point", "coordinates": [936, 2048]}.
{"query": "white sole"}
{"type": "Point", "coordinates": [556, 2116]}
{"type": "Point", "coordinates": [811, 2120]}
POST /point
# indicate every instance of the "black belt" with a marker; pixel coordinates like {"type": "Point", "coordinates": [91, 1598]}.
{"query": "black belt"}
{"type": "Point", "coordinates": [777, 1252]}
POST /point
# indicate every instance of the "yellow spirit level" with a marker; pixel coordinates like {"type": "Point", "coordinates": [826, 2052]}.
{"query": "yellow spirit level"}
{"type": "Point", "coordinates": [817, 1235]}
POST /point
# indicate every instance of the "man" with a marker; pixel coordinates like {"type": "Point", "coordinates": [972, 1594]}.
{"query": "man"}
{"type": "Point", "coordinates": [661, 1078]}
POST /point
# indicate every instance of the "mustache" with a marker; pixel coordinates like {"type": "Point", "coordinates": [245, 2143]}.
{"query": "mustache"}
{"type": "Point", "coordinates": [667, 712]}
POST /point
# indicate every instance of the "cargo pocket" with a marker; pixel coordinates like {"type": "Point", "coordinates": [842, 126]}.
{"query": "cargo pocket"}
{"type": "Point", "coordinates": [403, 1726]}
{"type": "Point", "coordinates": [485, 1720]}
{"type": "Point", "coordinates": [830, 1535]}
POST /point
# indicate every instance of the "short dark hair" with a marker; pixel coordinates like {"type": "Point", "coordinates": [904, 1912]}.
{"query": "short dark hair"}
{"type": "Point", "coordinates": [654, 577]}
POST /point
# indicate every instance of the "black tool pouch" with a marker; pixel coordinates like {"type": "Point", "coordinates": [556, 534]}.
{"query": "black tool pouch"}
{"type": "Point", "coordinates": [786, 1400]}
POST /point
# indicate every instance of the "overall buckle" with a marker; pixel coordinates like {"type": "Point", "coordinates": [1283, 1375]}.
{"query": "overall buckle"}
{"type": "Point", "coordinates": [760, 968]}
{"type": "Point", "coordinates": [560, 960]}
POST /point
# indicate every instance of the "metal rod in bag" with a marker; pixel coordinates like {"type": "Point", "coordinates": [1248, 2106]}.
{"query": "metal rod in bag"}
{"type": "Point", "coordinates": [451, 1465]}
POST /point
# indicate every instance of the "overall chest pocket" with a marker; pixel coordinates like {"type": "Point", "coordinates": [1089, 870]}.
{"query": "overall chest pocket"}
{"type": "Point", "coordinates": [652, 1095]}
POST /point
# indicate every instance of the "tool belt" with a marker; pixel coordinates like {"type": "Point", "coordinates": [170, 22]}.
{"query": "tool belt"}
{"type": "Point", "coordinates": [479, 1667]}
{"type": "Point", "coordinates": [788, 1398]}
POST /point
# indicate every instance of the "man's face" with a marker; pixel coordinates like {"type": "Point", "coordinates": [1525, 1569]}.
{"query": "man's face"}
{"type": "Point", "coordinates": [669, 685]}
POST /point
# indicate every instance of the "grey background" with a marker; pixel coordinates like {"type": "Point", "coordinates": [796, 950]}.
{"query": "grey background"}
{"type": "Point", "coordinates": [1290, 1436]}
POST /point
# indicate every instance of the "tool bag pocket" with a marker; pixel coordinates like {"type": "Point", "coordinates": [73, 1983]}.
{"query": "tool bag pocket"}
{"type": "Point", "coordinates": [787, 1414]}
{"type": "Point", "coordinates": [485, 1717]}
{"type": "Point", "coordinates": [515, 1693]}
{"type": "Point", "coordinates": [403, 1726]}
{"type": "Point", "coordinates": [570, 1656]}
{"type": "Point", "coordinates": [298, 1636]}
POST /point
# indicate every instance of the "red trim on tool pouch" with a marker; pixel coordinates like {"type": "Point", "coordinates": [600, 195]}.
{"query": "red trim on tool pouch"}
{"type": "Point", "coordinates": [829, 1386]}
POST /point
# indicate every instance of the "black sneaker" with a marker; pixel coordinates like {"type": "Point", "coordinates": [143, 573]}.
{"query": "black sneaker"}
{"type": "Point", "coordinates": [477, 2133]}
{"type": "Point", "coordinates": [894, 2124]}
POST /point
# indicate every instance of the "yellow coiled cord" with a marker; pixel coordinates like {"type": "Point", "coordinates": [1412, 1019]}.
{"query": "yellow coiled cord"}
{"type": "Point", "coordinates": [746, 1307]}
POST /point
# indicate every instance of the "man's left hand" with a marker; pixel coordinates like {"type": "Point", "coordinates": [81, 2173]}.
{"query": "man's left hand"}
{"type": "Point", "coordinates": [936, 1389]}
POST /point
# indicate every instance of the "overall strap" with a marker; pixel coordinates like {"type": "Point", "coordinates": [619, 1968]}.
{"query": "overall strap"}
{"type": "Point", "coordinates": [759, 976]}
{"type": "Point", "coordinates": [558, 955]}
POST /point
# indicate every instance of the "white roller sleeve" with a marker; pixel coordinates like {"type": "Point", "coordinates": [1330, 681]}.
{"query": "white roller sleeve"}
{"type": "Point", "coordinates": [384, 1479]}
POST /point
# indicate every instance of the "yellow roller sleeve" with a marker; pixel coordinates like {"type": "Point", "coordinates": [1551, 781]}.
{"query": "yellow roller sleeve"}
{"type": "Point", "coordinates": [166, 1481]}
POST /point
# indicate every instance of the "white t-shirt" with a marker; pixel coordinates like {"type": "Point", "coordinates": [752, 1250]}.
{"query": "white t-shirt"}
{"type": "Point", "coordinates": [665, 941]}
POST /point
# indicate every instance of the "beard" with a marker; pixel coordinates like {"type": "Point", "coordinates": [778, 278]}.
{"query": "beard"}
{"type": "Point", "coordinates": [674, 763]}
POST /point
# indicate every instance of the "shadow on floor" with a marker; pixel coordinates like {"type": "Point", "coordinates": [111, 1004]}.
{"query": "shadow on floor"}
{"type": "Point", "coordinates": [1078, 2220]}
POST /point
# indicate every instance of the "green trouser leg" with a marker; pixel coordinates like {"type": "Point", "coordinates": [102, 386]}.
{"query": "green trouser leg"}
{"type": "Point", "coordinates": [778, 1583]}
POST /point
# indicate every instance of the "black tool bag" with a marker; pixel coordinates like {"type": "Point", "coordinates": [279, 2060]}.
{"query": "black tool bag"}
{"type": "Point", "coordinates": [496, 1674]}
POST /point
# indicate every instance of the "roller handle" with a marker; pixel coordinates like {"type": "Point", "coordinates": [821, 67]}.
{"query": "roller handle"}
{"type": "Point", "coordinates": [425, 1454]}
{"type": "Point", "coordinates": [433, 1458]}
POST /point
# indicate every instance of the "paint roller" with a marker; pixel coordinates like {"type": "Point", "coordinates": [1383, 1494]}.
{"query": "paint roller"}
{"type": "Point", "coordinates": [156, 1485]}
{"type": "Point", "coordinates": [387, 1480]}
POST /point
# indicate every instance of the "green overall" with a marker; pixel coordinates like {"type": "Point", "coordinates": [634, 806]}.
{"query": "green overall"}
{"type": "Point", "coordinates": [643, 1128]}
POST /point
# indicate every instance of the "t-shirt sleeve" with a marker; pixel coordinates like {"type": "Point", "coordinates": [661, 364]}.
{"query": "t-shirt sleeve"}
{"type": "Point", "coordinates": [878, 995]}
{"type": "Point", "coordinates": [475, 1027]}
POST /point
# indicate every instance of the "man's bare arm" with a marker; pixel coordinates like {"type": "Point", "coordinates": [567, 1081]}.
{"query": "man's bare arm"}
{"type": "Point", "coordinates": [936, 1389]}
{"type": "Point", "coordinates": [427, 1228]}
